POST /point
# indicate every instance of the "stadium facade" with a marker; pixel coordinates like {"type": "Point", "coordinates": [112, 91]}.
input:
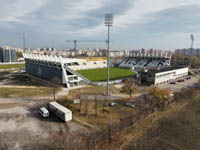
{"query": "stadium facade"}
{"type": "Point", "coordinates": [47, 67]}
{"type": "Point", "coordinates": [7, 55]}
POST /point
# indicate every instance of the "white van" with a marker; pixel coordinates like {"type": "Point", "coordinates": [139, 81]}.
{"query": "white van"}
{"type": "Point", "coordinates": [44, 112]}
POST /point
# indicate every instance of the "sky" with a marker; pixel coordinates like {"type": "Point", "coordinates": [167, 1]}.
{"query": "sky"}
{"type": "Point", "coordinates": [158, 24]}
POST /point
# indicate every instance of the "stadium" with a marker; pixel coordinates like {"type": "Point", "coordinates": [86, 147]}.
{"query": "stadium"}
{"type": "Point", "coordinates": [74, 72]}
{"type": "Point", "coordinates": [71, 71]}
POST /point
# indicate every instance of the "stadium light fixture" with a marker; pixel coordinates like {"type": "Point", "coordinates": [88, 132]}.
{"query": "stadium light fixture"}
{"type": "Point", "coordinates": [108, 23]}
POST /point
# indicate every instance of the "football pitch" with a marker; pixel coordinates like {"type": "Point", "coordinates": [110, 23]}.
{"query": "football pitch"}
{"type": "Point", "coordinates": [97, 75]}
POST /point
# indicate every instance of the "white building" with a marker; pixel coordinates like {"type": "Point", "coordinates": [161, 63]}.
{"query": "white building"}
{"type": "Point", "coordinates": [165, 75]}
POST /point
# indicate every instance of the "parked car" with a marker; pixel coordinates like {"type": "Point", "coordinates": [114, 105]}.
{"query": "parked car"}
{"type": "Point", "coordinates": [76, 101]}
{"type": "Point", "coordinates": [44, 112]}
{"type": "Point", "coordinates": [112, 104]}
{"type": "Point", "coordinates": [188, 78]}
{"type": "Point", "coordinates": [172, 82]}
{"type": "Point", "coordinates": [181, 80]}
{"type": "Point", "coordinates": [171, 95]}
{"type": "Point", "coordinates": [195, 85]}
{"type": "Point", "coordinates": [130, 105]}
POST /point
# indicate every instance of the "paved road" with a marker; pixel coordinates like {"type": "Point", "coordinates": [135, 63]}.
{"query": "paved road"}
{"type": "Point", "coordinates": [179, 85]}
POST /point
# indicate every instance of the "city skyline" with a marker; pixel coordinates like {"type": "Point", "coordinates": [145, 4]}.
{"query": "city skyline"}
{"type": "Point", "coordinates": [138, 24]}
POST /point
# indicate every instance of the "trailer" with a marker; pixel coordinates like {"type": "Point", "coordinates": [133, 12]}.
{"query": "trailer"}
{"type": "Point", "coordinates": [60, 111]}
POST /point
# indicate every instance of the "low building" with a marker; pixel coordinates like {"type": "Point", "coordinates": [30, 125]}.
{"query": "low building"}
{"type": "Point", "coordinates": [164, 75]}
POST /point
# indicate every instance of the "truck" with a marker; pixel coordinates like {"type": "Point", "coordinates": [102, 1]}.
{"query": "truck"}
{"type": "Point", "coordinates": [60, 111]}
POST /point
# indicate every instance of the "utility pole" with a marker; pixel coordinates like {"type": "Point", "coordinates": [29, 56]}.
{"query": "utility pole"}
{"type": "Point", "coordinates": [108, 23]}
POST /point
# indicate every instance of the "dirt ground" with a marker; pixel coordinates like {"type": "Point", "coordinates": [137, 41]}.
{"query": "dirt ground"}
{"type": "Point", "coordinates": [22, 124]}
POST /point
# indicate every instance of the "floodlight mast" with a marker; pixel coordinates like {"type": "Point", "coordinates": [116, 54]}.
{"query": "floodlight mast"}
{"type": "Point", "coordinates": [24, 42]}
{"type": "Point", "coordinates": [192, 39]}
{"type": "Point", "coordinates": [108, 23]}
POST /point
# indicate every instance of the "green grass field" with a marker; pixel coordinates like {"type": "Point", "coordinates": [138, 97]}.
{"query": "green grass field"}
{"type": "Point", "coordinates": [96, 75]}
{"type": "Point", "coordinates": [9, 66]}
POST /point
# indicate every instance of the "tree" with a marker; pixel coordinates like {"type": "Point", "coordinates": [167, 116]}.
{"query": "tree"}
{"type": "Point", "coordinates": [86, 106]}
{"type": "Point", "coordinates": [80, 104]}
{"type": "Point", "coordinates": [104, 103]}
{"type": "Point", "coordinates": [95, 104]}
{"type": "Point", "coordinates": [54, 84]}
{"type": "Point", "coordinates": [19, 55]}
{"type": "Point", "coordinates": [160, 96]}
{"type": "Point", "coordinates": [195, 61]}
{"type": "Point", "coordinates": [177, 59]}
{"type": "Point", "coordinates": [130, 85]}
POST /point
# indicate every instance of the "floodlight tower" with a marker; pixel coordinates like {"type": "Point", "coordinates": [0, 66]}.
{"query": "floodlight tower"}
{"type": "Point", "coordinates": [24, 42]}
{"type": "Point", "coordinates": [108, 23]}
{"type": "Point", "coordinates": [192, 39]}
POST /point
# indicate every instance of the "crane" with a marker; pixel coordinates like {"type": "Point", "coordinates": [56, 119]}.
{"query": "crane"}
{"type": "Point", "coordinates": [75, 43]}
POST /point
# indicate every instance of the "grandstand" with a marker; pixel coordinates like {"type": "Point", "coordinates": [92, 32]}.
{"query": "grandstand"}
{"type": "Point", "coordinates": [146, 59]}
{"type": "Point", "coordinates": [47, 67]}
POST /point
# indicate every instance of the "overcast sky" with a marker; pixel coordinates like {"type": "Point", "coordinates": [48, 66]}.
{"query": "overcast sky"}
{"type": "Point", "coordinates": [159, 24]}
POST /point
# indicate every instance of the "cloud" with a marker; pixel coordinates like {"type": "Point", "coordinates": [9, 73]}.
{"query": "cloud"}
{"type": "Point", "coordinates": [14, 10]}
{"type": "Point", "coordinates": [85, 18]}
{"type": "Point", "coordinates": [143, 11]}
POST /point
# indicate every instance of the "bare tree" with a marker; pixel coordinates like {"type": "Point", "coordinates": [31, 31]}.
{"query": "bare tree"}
{"type": "Point", "coordinates": [130, 85]}
{"type": "Point", "coordinates": [95, 104]}
{"type": "Point", "coordinates": [80, 105]}
{"type": "Point", "coordinates": [54, 84]}
{"type": "Point", "coordinates": [86, 106]}
{"type": "Point", "coordinates": [104, 103]}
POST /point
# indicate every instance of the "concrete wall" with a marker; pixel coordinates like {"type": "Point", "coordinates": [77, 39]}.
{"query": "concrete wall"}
{"type": "Point", "coordinates": [43, 72]}
{"type": "Point", "coordinates": [7, 55]}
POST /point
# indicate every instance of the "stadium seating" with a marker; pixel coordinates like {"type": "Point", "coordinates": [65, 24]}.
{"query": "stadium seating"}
{"type": "Point", "coordinates": [144, 62]}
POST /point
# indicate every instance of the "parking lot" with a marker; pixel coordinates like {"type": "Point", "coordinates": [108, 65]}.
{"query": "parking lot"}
{"type": "Point", "coordinates": [180, 85]}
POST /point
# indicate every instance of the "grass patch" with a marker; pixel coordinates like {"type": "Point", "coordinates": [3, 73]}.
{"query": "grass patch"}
{"type": "Point", "coordinates": [93, 90]}
{"type": "Point", "coordinates": [96, 75]}
{"type": "Point", "coordinates": [9, 66]}
{"type": "Point", "coordinates": [25, 92]}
